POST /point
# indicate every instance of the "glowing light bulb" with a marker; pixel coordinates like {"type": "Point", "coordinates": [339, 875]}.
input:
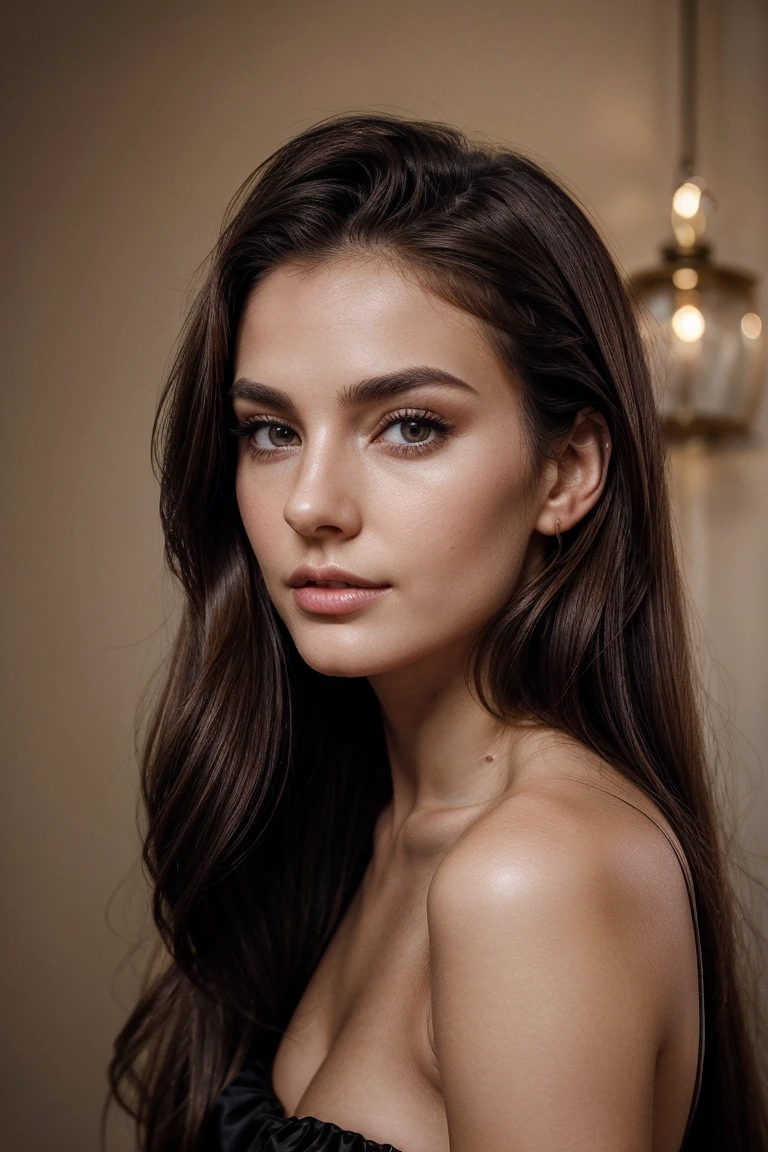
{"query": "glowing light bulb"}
{"type": "Point", "coordinates": [686, 200]}
{"type": "Point", "coordinates": [751, 325]}
{"type": "Point", "coordinates": [688, 323]}
{"type": "Point", "coordinates": [685, 278]}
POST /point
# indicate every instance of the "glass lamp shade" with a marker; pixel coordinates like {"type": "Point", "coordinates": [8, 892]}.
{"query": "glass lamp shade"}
{"type": "Point", "coordinates": [705, 343]}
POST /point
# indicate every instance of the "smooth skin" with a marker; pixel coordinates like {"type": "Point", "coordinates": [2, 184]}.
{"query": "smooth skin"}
{"type": "Point", "coordinates": [517, 970]}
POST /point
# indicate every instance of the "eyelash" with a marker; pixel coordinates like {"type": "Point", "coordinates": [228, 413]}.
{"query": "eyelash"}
{"type": "Point", "coordinates": [248, 427]}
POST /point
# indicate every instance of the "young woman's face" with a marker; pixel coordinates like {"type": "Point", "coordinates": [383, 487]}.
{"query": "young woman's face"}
{"type": "Point", "coordinates": [384, 446]}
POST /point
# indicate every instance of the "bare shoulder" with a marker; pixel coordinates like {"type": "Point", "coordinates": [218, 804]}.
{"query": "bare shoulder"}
{"type": "Point", "coordinates": [587, 841]}
{"type": "Point", "coordinates": [562, 960]}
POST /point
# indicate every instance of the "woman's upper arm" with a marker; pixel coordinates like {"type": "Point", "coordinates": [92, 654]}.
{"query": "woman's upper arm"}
{"type": "Point", "coordinates": [544, 1010]}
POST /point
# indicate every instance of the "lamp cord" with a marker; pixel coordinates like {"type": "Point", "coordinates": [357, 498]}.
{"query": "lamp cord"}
{"type": "Point", "coordinates": [688, 87]}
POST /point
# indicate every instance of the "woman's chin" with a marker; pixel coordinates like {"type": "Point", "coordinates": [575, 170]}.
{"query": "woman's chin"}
{"type": "Point", "coordinates": [352, 662]}
{"type": "Point", "coordinates": [350, 667]}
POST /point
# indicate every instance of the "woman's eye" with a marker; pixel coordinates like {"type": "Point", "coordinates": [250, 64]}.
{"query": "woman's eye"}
{"type": "Point", "coordinates": [264, 437]}
{"type": "Point", "coordinates": [280, 434]}
{"type": "Point", "coordinates": [410, 431]}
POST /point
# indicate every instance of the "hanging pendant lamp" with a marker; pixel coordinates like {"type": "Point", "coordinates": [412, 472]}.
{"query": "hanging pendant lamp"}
{"type": "Point", "coordinates": [700, 319]}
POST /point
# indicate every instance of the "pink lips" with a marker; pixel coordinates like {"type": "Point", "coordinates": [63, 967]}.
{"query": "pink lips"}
{"type": "Point", "coordinates": [335, 601]}
{"type": "Point", "coordinates": [331, 591]}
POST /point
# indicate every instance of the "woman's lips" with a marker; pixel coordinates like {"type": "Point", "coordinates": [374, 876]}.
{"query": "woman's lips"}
{"type": "Point", "coordinates": [335, 601]}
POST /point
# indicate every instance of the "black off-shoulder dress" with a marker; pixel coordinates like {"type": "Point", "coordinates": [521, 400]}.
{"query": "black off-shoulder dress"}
{"type": "Point", "coordinates": [250, 1118]}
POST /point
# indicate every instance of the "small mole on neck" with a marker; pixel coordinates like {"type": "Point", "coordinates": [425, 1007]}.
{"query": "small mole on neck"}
{"type": "Point", "coordinates": [489, 758]}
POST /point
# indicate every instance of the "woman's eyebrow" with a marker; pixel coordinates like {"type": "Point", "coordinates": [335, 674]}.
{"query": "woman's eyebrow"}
{"type": "Point", "coordinates": [394, 383]}
{"type": "Point", "coordinates": [369, 391]}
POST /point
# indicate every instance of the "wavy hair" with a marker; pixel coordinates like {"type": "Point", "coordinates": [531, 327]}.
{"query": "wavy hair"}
{"type": "Point", "coordinates": [259, 814]}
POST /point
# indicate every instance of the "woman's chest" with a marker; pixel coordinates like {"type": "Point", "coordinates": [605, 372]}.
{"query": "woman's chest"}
{"type": "Point", "coordinates": [357, 1051]}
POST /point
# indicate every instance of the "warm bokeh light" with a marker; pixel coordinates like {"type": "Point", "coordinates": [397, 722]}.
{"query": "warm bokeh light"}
{"type": "Point", "coordinates": [686, 200]}
{"type": "Point", "coordinates": [751, 325]}
{"type": "Point", "coordinates": [688, 323]}
{"type": "Point", "coordinates": [685, 278]}
{"type": "Point", "coordinates": [685, 234]}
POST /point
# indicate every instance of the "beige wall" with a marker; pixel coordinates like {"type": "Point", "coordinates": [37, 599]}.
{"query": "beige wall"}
{"type": "Point", "coordinates": [127, 128]}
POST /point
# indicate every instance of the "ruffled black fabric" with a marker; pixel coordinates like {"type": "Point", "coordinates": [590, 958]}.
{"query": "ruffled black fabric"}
{"type": "Point", "coordinates": [250, 1118]}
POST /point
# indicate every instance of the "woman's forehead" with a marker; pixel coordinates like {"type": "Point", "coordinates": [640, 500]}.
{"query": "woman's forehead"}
{"type": "Point", "coordinates": [354, 317]}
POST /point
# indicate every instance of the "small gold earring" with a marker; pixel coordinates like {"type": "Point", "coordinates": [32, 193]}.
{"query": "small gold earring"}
{"type": "Point", "coordinates": [557, 530]}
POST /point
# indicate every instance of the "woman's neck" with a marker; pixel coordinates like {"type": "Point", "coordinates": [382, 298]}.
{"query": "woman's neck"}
{"type": "Point", "coordinates": [445, 750]}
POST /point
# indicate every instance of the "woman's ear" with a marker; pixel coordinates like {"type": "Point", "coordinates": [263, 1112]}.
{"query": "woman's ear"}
{"type": "Point", "coordinates": [581, 469]}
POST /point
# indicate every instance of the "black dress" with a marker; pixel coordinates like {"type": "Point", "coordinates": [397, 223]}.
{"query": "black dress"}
{"type": "Point", "coordinates": [250, 1117]}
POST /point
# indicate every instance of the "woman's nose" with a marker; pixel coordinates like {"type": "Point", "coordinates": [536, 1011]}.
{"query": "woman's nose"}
{"type": "Point", "coordinates": [325, 498]}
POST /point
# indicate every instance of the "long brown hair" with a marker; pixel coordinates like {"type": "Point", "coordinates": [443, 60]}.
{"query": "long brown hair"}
{"type": "Point", "coordinates": [262, 779]}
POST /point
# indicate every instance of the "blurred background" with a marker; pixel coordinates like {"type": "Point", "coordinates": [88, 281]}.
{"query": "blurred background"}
{"type": "Point", "coordinates": [126, 129]}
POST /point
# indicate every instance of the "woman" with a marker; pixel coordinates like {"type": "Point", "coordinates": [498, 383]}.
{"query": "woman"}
{"type": "Point", "coordinates": [434, 852]}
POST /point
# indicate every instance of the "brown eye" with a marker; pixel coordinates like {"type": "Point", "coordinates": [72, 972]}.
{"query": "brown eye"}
{"type": "Point", "coordinates": [412, 430]}
{"type": "Point", "coordinates": [415, 431]}
{"type": "Point", "coordinates": [280, 435]}
{"type": "Point", "coordinates": [264, 436]}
